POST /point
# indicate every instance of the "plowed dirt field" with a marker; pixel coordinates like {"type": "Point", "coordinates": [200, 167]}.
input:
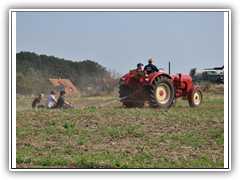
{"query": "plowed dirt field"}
{"type": "Point", "coordinates": [117, 137]}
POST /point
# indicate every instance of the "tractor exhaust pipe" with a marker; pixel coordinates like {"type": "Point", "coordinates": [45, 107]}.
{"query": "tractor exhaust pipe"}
{"type": "Point", "coordinates": [169, 67]}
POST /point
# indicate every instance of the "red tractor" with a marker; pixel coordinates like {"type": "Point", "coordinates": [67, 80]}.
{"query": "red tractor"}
{"type": "Point", "coordinates": [159, 89]}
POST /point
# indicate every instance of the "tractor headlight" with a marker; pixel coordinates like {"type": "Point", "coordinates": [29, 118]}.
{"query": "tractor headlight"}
{"type": "Point", "coordinates": [122, 82]}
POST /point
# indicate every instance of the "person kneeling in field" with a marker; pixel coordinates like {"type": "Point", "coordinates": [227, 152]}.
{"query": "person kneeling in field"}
{"type": "Point", "coordinates": [61, 103]}
{"type": "Point", "coordinates": [35, 103]}
{"type": "Point", "coordinates": [51, 100]}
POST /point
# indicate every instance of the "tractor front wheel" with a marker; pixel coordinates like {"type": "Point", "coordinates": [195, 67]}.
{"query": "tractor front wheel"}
{"type": "Point", "coordinates": [197, 98]}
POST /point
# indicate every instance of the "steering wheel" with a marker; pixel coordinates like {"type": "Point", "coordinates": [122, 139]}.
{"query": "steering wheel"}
{"type": "Point", "coordinates": [161, 69]}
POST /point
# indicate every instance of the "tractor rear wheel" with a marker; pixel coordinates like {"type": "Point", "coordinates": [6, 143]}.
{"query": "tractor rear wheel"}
{"type": "Point", "coordinates": [127, 91]}
{"type": "Point", "coordinates": [197, 98]}
{"type": "Point", "coordinates": [174, 102]}
{"type": "Point", "coordinates": [160, 93]}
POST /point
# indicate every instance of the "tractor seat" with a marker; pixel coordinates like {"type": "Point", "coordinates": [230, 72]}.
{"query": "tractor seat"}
{"type": "Point", "coordinates": [139, 73]}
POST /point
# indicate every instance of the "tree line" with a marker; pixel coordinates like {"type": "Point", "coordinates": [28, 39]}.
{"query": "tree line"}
{"type": "Point", "coordinates": [33, 72]}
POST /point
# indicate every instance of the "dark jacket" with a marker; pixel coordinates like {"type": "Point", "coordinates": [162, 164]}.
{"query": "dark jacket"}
{"type": "Point", "coordinates": [60, 101]}
{"type": "Point", "coordinates": [35, 101]}
{"type": "Point", "coordinates": [150, 68]}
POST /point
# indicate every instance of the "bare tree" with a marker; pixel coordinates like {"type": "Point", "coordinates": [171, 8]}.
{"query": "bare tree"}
{"type": "Point", "coordinates": [41, 87]}
{"type": "Point", "coordinates": [112, 80]}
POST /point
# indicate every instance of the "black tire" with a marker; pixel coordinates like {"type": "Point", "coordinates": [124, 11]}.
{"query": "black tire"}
{"type": "Point", "coordinates": [126, 91]}
{"type": "Point", "coordinates": [197, 98]}
{"type": "Point", "coordinates": [174, 102]}
{"type": "Point", "coordinates": [160, 93]}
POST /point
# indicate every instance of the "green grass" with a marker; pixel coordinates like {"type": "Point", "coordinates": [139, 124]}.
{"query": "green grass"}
{"type": "Point", "coordinates": [49, 162]}
{"type": "Point", "coordinates": [117, 137]}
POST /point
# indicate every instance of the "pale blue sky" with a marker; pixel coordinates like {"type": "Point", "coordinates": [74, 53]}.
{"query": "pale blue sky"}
{"type": "Point", "coordinates": [119, 40]}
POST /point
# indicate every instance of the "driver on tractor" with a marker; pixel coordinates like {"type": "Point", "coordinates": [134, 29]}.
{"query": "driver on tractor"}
{"type": "Point", "coordinates": [150, 68]}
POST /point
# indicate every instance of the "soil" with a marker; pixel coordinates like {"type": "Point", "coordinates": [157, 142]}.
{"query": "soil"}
{"type": "Point", "coordinates": [115, 130]}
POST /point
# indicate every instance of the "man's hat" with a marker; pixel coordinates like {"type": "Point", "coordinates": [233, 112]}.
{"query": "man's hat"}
{"type": "Point", "coordinates": [140, 64]}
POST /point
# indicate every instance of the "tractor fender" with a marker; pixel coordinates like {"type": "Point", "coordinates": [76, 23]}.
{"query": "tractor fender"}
{"type": "Point", "coordinates": [125, 78]}
{"type": "Point", "coordinates": [127, 81]}
{"type": "Point", "coordinates": [190, 92]}
{"type": "Point", "coordinates": [148, 81]}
